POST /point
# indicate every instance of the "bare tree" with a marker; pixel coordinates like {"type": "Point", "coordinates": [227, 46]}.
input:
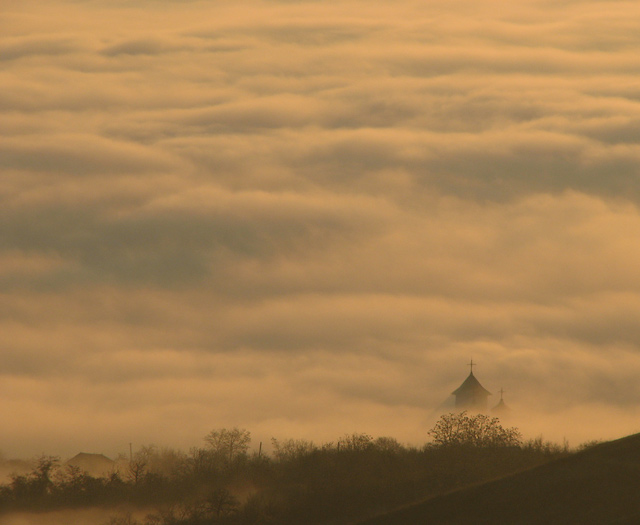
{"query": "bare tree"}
{"type": "Point", "coordinates": [477, 430]}
{"type": "Point", "coordinates": [137, 469]}
{"type": "Point", "coordinates": [292, 448]}
{"type": "Point", "coordinates": [229, 444]}
{"type": "Point", "coordinates": [387, 444]}
{"type": "Point", "coordinates": [355, 442]}
{"type": "Point", "coordinates": [46, 466]}
{"type": "Point", "coordinates": [222, 503]}
{"type": "Point", "coordinates": [140, 464]}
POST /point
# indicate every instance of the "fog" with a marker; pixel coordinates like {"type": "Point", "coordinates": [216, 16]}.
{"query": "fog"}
{"type": "Point", "coordinates": [304, 218]}
{"type": "Point", "coordinates": [67, 517]}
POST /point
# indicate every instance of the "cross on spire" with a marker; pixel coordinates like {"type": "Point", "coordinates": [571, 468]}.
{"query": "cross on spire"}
{"type": "Point", "coordinates": [471, 365]}
{"type": "Point", "coordinates": [501, 392]}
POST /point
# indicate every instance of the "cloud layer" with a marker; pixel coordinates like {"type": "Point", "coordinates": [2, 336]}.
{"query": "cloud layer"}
{"type": "Point", "coordinates": [304, 218]}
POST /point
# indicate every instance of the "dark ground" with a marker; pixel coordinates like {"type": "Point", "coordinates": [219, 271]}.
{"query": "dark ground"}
{"type": "Point", "coordinates": [598, 486]}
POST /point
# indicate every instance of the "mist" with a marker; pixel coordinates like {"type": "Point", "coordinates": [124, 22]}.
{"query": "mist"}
{"type": "Point", "coordinates": [304, 219]}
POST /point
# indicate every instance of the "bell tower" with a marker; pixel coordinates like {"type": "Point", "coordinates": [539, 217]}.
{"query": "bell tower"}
{"type": "Point", "coordinates": [471, 395]}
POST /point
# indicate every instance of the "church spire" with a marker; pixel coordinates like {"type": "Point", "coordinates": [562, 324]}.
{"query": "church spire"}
{"type": "Point", "coordinates": [501, 408]}
{"type": "Point", "coordinates": [471, 395]}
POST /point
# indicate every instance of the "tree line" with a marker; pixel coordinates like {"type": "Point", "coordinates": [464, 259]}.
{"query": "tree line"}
{"type": "Point", "coordinates": [299, 482]}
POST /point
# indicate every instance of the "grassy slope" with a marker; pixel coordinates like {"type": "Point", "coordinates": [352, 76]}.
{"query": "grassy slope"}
{"type": "Point", "coordinates": [598, 486]}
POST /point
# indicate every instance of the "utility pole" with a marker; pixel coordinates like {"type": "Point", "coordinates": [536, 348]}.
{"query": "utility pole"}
{"type": "Point", "coordinates": [130, 453]}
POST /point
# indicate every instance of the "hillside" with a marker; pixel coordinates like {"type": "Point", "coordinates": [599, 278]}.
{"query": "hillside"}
{"type": "Point", "coordinates": [598, 486]}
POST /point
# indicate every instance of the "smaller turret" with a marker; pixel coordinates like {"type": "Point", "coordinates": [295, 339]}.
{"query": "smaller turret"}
{"type": "Point", "coordinates": [501, 409]}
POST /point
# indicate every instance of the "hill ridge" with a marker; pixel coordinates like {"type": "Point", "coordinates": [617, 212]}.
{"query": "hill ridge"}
{"type": "Point", "coordinates": [599, 485]}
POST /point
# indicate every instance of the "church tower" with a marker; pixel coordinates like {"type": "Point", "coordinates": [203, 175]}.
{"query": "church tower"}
{"type": "Point", "coordinates": [501, 409]}
{"type": "Point", "coordinates": [471, 395]}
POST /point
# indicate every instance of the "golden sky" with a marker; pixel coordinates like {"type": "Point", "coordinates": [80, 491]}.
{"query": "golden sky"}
{"type": "Point", "coordinates": [304, 218]}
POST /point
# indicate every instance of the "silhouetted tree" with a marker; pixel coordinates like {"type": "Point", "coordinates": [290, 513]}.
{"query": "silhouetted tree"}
{"type": "Point", "coordinates": [478, 430]}
{"type": "Point", "coordinates": [301, 483]}
{"type": "Point", "coordinates": [387, 444]}
{"type": "Point", "coordinates": [222, 503]}
{"type": "Point", "coordinates": [137, 470]}
{"type": "Point", "coordinates": [290, 449]}
{"type": "Point", "coordinates": [229, 443]}
{"type": "Point", "coordinates": [355, 442]}
{"type": "Point", "coordinates": [45, 467]}
{"type": "Point", "coordinates": [201, 464]}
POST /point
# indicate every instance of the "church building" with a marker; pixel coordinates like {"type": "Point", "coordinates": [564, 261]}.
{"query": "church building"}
{"type": "Point", "coordinates": [471, 395]}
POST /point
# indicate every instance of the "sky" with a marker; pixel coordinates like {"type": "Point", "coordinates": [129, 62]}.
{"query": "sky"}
{"type": "Point", "coordinates": [304, 218]}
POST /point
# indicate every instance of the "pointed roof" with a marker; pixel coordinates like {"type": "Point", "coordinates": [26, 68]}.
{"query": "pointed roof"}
{"type": "Point", "coordinates": [471, 384]}
{"type": "Point", "coordinates": [501, 407]}
{"type": "Point", "coordinates": [94, 464]}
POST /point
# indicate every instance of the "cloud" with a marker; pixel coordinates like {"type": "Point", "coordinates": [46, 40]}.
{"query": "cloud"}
{"type": "Point", "coordinates": [16, 48]}
{"type": "Point", "coordinates": [138, 47]}
{"type": "Point", "coordinates": [80, 155]}
{"type": "Point", "coordinates": [303, 218]}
